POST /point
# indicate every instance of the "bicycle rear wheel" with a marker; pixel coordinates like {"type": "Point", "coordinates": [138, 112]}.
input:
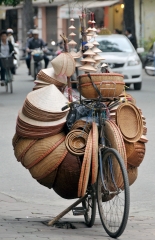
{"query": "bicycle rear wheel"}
{"type": "Point", "coordinates": [113, 197]}
{"type": "Point", "coordinates": [89, 204]}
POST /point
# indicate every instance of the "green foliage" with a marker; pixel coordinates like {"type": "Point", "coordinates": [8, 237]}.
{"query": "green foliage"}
{"type": "Point", "coordinates": [149, 42]}
{"type": "Point", "coordinates": [15, 2]}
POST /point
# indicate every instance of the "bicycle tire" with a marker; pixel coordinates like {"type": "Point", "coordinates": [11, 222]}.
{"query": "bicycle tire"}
{"type": "Point", "coordinates": [149, 63]}
{"type": "Point", "coordinates": [10, 81]}
{"type": "Point", "coordinates": [6, 87]}
{"type": "Point", "coordinates": [89, 204]}
{"type": "Point", "coordinates": [113, 208]}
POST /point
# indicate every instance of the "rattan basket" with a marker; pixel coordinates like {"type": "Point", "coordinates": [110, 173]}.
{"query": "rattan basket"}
{"type": "Point", "coordinates": [100, 77]}
{"type": "Point", "coordinates": [106, 89]}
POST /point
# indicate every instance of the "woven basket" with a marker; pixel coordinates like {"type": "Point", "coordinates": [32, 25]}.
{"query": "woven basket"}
{"type": "Point", "coordinates": [132, 174]}
{"type": "Point", "coordinates": [135, 153]}
{"type": "Point", "coordinates": [107, 89]}
{"type": "Point", "coordinates": [41, 156]}
{"type": "Point", "coordinates": [49, 180]}
{"type": "Point", "coordinates": [66, 183]}
{"type": "Point", "coordinates": [94, 153]}
{"type": "Point", "coordinates": [85, 170]}
{"type": "Point", "coordinates": [82, 125]}
{"type": "Point", "coordinates": [76, 141]}
{"type": "Point", "coordinates": [130, 122]}
{"type": "Point", "coordinates": [100, 77]}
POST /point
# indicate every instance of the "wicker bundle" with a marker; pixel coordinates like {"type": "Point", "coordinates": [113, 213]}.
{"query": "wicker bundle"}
{"type": "Point", "coordinates": [132, 174]}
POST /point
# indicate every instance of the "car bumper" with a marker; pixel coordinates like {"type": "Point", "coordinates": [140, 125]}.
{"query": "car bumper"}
{"type": "Point", "coordinates": [131, 74]}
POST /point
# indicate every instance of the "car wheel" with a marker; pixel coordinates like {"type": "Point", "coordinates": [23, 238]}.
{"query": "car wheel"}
{"type": "Point", "coordinates": [137, 86]}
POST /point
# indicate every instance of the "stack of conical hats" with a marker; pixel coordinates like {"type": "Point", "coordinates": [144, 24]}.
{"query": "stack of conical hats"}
{"type": "Point", "coordinates": [41, 114]}
{"type": "Point", "coordinates": [72, 44]}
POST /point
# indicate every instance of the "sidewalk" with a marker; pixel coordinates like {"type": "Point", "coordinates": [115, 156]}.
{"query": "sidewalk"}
{"type": "Point", "coordinates": [23, 220]}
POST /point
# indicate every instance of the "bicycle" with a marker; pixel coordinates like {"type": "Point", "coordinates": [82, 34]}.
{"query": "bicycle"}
{"type": "Point", "coordinates": [7, 64]}
{"type": "Point", "coordinates": [111, 195]}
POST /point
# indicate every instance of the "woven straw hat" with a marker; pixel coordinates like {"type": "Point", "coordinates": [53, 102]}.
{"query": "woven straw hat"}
{"type": "Point", "coordinates": [132, 174]}
{"type": "Point", "coordinates": [41, 82]}
{"type": "Point", "coordinates": [129, 121]}
{"type": "Point", "coordinates": [72, 34]}
{"type": "Point", "coordinates": [88, 59]}
{"type": "Point", "coordinates": [48, 99]}
{"type": "Point", "coordinates": [48, 75]}
{"type": "Point", "coordinates": [72, 42]}
{"type": "Point", "coordinates": [66, 183]}
{"type": "Point", "coordinates": [95, 43]}
{"type": "Point", "coordinates": [89, 44]}
{"type": "Point", "coordinates": [89, 52]}
{"type": "Point", "coordinates": [85, 170]}
{"type": "Point", "coordinates": [98, 57]}
{"type": "Point", "coordinates": [115, 140]}
{"type": "Point", "coordinates": [135, 153]}
{"type": "Point", "coordinates": [143, 139]}
{"type": "Point", "coordinates": [96, 50]}
{"type": "Point", "coordinates": [88, 68]}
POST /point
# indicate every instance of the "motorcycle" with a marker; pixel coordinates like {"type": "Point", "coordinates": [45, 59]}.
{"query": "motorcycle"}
{"type": "Point", "coordinates": [149, 65]}
{"type": "Point", "coordinates": [37, 62]}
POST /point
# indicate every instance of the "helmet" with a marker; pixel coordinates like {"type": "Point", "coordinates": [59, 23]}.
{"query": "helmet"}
{"type": "Point", "coordinates": [35, 31]}
{"type": "Point", "coordinates": [9, 30]}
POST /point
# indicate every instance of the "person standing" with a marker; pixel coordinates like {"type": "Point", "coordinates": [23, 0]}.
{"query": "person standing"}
{"type": "Point", "coordinates": [129, 35]}
{"type": "Point", "coordinates": [6, 48]}
{"type": "Point", "coordinates": [10, 36]}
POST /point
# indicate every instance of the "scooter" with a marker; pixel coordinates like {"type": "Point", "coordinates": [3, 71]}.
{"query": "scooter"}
{"type": "Point", "coordinates": [149, 65]}
{"type": "Point", "coordinates": [37, 62]}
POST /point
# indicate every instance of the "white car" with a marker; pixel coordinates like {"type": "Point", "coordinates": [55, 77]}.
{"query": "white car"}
{"type": "Point", "coordinates": [121, 57]}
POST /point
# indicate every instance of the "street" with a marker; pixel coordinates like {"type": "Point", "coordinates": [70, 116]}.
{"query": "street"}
{"type": "Point", "coordinates": [26, 205]}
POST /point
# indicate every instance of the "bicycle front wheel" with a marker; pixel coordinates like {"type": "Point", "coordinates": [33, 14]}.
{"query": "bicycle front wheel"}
{"type": "Point", "coordinates": [113, 194]}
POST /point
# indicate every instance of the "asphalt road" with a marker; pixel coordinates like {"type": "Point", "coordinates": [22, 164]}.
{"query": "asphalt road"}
{"type": "Point", "coordinates": [16, 181]}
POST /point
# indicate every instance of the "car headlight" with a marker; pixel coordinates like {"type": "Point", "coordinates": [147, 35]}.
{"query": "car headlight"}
{"type": "Point", "coordinates": [133, 62]}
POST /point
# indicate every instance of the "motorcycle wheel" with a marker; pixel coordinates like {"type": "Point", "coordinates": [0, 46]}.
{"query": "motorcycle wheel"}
{"type": "Point", "coordinates": [149, 67]}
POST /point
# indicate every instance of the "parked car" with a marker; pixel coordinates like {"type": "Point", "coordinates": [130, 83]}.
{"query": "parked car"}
{"type": "Point", "coordinates": [121, 57]}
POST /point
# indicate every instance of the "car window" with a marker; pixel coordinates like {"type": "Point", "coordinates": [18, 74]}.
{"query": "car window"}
{"type": "Point", "coordinates": [114, 45]}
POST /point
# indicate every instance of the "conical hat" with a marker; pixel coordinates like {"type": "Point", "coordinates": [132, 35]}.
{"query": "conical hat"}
{"type": "Point", "coordinates": [104, 65]}
{"type": "Point", "coordinates": [98, 57]}
{"type": "Point", "coordinates": [90, 45]}
{"type": "Point", "coordinates": [58, 63]}
{"type": "Point", "coordinates": [41, 82]}
{"type": "Point", "coordinates": [70, 65]}
{"type": "Point", "coordinates": [39, 123]}
{"type": "Point", "coordinates": [48, 99]}
{"type": "Point", "coordinates": [88, 59]}
{"type": "Point", "coordinates": [72, 19]}
{"type": "Point", "coordinates": [72, 42]}
{"type": "Point", "coordinates": [72, 34]}
{"type": "Point", "coordinates": [74, 54]}
{"type": "Point", "coordinates": [95, 43]}
{"type": "Point", "coordinates": [87, 67]}
{"type": "Point", "coordinates": [71, 27]}
{"type": "Point", "coordinates": [89, 52]}
{"type": "Point", "coordinates": [50, 73]}
{"type": "Point", "coordinates": [77, 64]}
{"type": "Point", "coordinates": [96, 50]}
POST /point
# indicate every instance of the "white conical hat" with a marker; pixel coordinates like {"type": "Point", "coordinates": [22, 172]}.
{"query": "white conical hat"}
{"type": "Point", "coordinates": [71, 27]}
{"type": "Point", "coordinates": [72, 19]}
{"type": "Point", "coordinates": [96, 50]}
{"type": "Point", "coordinates": [72, 42]}
{"type": "Point", "coordinates": [48, 99]}
{"type": "Point", "coordinates": [89, 52]}
{"type": "Point", "coordinates": [104, 65]}
{"type": "Point", "coordinates": [98, 57]}
{"type": "Point", "coordinates": [41, 82]}
{"type": "Point", "coordinates": [72, 34]}
{"type": "Point", "coordinates": [77, 64]}
{"type": "Point", "coordinates": [90, 45]}
{"type": "Point", "coordinates": [87, 67]}
{"type": "Point", "coordinates": [88, 59]}
{"type": "Point", "coordinates": [95, 43]}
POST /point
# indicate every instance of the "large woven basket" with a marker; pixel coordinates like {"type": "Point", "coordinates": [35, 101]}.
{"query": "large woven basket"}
{"type": "Point", "coordinates": [100, 77]}
{"type": "Point", "coordinates": [132, 174]}
{"type": "Point", "coordinates": [66, 182]}
{"type": "Point", "coordinates": [106, 89]}
{"type": "Point", "coordinates": [41, 156]}
{"type": "Point", "coordinates": [135, 153]}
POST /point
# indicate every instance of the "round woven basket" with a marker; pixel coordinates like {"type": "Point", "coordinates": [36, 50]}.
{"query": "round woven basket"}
{"type": "Point", "coordinates": [100, 77]}
{"type": "Point", "coordinates": [82, 125]}
{"type": "Point", "coordinates": [132, 174]}
{"type": "Point", "coordinates": [135, 153]}
{"type": "Point", "coordinates": [49, 180]}
{"type": "Point", "coordinates": [85, 170]}
{"type": "Point", "coordinates": [41, 156]}
{"type": "Point", "coordinates": [114, 139]}
{"type": "Point", "coordinates": [66, 182]}
{"type": "Point", "coordinates": [107, 89]}
{"type": "Point", "coordinates": [129, 120]}
{"type": "Point", "coordinates": [76, 141]}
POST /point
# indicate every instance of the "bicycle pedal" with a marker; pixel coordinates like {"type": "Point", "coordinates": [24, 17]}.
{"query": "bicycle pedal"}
{"type": "Point", "coordinates": [78, 211]}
